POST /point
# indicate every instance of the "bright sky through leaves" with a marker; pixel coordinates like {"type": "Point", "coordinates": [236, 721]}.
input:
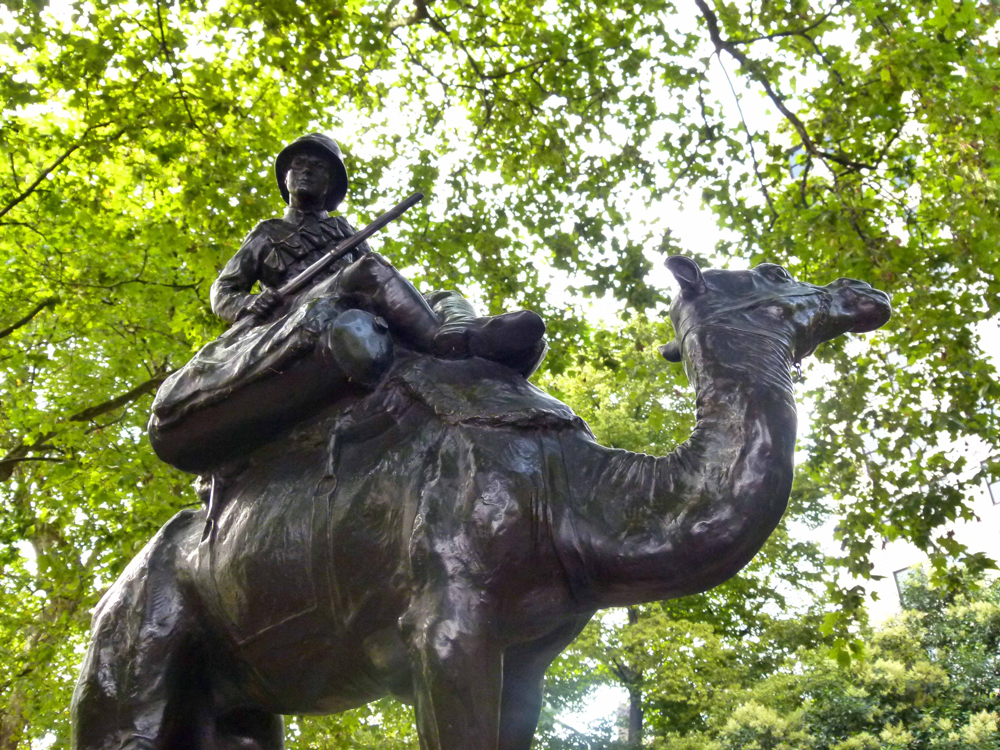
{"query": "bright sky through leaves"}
{"type": "Point", "coordinates": [557, 143]}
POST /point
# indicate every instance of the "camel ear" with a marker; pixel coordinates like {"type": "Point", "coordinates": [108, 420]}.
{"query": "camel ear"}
{"type": "Point", "coordinates": [688, 275]}
{"type": "Point", "coordinates": [671, 352]}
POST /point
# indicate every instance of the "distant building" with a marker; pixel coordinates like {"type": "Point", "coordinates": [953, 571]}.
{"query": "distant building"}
{"type": "Point", "coordinates": [899, 559]}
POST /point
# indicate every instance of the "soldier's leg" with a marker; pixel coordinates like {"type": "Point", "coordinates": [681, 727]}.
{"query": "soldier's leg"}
{"type": "Point", "coordinates": [514, 339]}
{"type": "Point", "coordinates": [381, 288]}
{"type": "Point", "coordinates": [456, 314]}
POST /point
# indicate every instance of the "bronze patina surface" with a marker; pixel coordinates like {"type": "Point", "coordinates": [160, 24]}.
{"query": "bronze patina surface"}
{"type": "Point", "coordinates": [440, 532]}
{"type": "Point", "coordinates": [292, 352]}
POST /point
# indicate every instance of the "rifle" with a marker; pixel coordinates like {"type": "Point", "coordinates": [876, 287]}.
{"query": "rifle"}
{"type": "Point", "coordinates": [338, 251]}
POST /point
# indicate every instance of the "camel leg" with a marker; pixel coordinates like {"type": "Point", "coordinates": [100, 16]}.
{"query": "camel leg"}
{"type": "Point", "coordinates": [457, 673]}
{"type": "Point", "coordinates": [138, 671]}
{"type": "Point", "coordinates": [521, 704]}
{"type": "Point", "coordinates": [524, 668]}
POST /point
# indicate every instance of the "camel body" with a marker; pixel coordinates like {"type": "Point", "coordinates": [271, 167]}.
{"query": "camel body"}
{"type": "Point", "coordinates": [444, 538]}
{"type": "Point", "coordinates": [320, 550]}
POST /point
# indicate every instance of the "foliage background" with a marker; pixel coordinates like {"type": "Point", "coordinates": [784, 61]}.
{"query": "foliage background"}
{"type": "Point", "coordinates": [551, 138]}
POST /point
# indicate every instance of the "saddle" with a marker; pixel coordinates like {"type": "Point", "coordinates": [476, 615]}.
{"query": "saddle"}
{"type": "Point", "coordinates": [365, 380]}
{"type": "Point", "coordinates": [472, 391]}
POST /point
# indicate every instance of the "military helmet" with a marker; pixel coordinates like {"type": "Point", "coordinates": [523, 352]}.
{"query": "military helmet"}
{"type": "Point", "coordinates": [322, 145]}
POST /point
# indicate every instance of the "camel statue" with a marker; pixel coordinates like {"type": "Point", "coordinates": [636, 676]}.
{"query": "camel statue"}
{"type": "Point", "coordinates": [444, 537]}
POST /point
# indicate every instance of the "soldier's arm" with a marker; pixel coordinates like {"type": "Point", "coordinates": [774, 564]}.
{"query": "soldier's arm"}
{"type": "Point", "coordinates": [230, 294]}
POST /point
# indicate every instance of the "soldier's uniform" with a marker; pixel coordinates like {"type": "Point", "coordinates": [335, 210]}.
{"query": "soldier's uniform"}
{"type": "Point", "coordinates": [275, 251]}
{"type": "Point", "coordinates": [443, 323]}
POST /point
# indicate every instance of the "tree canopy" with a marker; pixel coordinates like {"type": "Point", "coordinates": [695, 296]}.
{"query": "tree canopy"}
{"type": "Point", "coordinates": [551, 138]}
{"type": "Point", "coordinates": [930, 680]}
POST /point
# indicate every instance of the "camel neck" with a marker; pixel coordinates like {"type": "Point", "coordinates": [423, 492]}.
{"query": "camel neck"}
{"type": "Point", "coordinates": [746, 420]}
{"type": "Point", "coordinates": [735, 371]}
{"type": "Point", "coordinates": [649, 528]}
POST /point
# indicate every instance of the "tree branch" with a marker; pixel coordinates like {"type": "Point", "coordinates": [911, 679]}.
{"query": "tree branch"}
{"type": "Point", "coordinates": [788, 32]}
{"type": "Point", "coordinates": [49, 302]}
{"type": "Point", "coordinates": [13, 170]}
{"type": "Point", "coordinates": [42, 175]}
{"type": "Point", "coordinates": [144, 282]}
{"type": "Point", "coordinates": [19, 452]}
{"type": "Point", "coordinates": [531, 65]}
{"type": "Point", "coordinates": [445, 87]}
{"type": "Point", "coordinates": [24, 224]}
{"type": "Point", "coordinates": [753, 153]}
{"type": "Point", "coordinates": [441, 29]}
{"type": "Point", "coordinates": [822, 56]}
{"type": "Point", "coordinates": [31, 458]}
{"type": "Point", "coordinates": [54, 166]}
{"type": "Point", "coordinates": [804, 181]}
{"type": "Point", "coordinates": [421, 14]}
{"type": "Point", "coordinates": [389, 8]}
{"type": "Point", "coordinates": [712, 21]}
{"type": "Point", "coordinates": [119, 401]}
{"type": "Point", "coordinates": [173, 70]}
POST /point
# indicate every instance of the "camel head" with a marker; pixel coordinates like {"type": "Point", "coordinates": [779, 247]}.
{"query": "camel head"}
{"type": "Point", "coordinates": [765, 304]}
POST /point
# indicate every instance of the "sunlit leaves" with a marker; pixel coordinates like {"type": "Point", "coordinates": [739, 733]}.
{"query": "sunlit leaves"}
{"type": "Point", "coordinates": [137, 141]}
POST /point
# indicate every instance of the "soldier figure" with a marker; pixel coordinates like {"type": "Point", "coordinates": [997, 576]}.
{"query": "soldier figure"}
{"type": "Point", "coordinates": [313, 181]}
{"type": "Point", "coordinates": [278, 371]}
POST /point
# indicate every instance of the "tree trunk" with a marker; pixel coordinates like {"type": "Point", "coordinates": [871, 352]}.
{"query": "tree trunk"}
{"type": "Point", "coordinates": [11, 720]}
{"type": "Point", "coordinates": [634, 718]}
{"type": "Point", "coordinates": [634, 739]}
{"type": "Point", "coordinates": [48, 628]}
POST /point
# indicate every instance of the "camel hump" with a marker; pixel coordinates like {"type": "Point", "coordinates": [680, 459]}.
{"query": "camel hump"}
{"type": "Point", "coordinates": [477, 391]}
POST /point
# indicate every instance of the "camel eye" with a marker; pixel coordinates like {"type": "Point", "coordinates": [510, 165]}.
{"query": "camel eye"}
{"type": "Point", "coordinates": [776, 273]}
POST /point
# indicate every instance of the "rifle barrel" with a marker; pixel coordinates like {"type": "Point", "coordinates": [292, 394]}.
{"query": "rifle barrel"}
{"type": "Point", "coordinates": [347, 244]}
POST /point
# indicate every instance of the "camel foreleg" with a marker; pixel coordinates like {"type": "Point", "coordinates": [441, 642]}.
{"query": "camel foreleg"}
{"type": "Point", "coordinates": [524, 668]}
{"type": "Point", "coordinates": [457, 672]}
{"type": "Point", "coordinates": [134, 677]}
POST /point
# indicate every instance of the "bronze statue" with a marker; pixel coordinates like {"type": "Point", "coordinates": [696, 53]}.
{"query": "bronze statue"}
{"type": "Point", "coordinates": [313, 181]}
{"type": "Point", "coordinates": [443, 535]}
{"type": "Point", "coordinates": [241, 390]}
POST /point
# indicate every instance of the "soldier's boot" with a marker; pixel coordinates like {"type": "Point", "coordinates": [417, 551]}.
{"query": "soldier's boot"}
{"type": "Point", "coordinates": [514, 339]}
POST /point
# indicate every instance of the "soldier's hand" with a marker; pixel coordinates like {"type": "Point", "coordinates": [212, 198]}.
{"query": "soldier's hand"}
{"type": "Point", "coordinates": [263, 304]}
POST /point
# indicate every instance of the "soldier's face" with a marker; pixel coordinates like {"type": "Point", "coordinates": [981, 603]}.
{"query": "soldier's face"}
{"type": "Point", "coordinates": [308, 178]}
